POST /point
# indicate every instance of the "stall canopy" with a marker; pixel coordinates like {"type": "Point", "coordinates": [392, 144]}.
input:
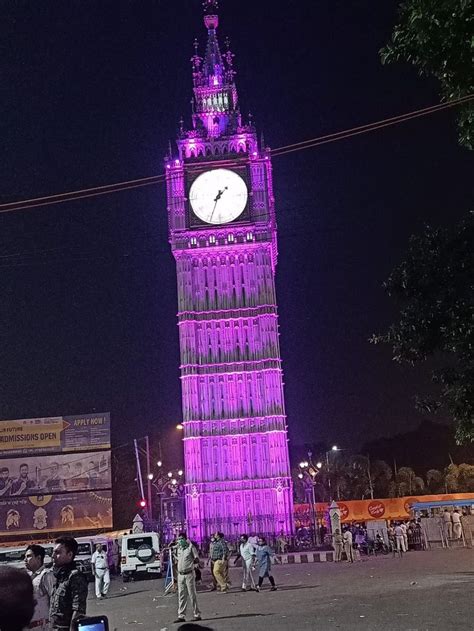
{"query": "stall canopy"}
{"type": "Point", "coordinates": [440, 504]}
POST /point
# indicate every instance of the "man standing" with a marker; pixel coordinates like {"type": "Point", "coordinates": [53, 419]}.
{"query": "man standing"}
{"type": "Point", "coordinates": [220, 552]}
{"type": "Point", "coordinates": [457, 526]}
{"type": "Point", "coordinates": [43, 583]}
{"type": "Point", "coordinates": [17, 603]}
{"type": "Point", "coordinates": [338, 543]}
{"type": "Point", "coordinates": [399, 540]}
{"type": "Point", "coordinates": [100, 569]}
{"type": "Point", "coordinates": [69, 598]}
{"type": "Point", "coordinates": [348, 549]}
{"type": "Point", "coordinates": [282, 542]}
{"type": "Point", "coordinates": [447, 524]}
{"type": "Point", "coordinates": [188, 558]}
{"type": "Point", "coordinates": [247, 554]}
{"type": "Point", "coordinates": [404, 528]}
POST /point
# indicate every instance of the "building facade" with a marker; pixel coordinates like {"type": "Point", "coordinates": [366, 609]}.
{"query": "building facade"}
{"type": "Point", "coordinates": [223, 233]}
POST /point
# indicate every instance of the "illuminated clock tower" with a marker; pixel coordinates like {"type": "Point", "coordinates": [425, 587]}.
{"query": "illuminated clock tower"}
{"type": "Point", "coordinates": [222, 231]}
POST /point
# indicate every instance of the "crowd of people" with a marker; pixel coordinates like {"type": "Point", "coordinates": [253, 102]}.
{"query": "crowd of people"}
{"type": "Point", "coordinates": [253, 552]}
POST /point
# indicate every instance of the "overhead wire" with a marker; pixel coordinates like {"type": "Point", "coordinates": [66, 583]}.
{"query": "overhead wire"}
{"type": "Point", "coordinates": [279, 151]}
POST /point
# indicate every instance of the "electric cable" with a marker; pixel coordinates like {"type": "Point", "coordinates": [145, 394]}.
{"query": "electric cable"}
{"type": "Point", "coordinates": [279, 151]}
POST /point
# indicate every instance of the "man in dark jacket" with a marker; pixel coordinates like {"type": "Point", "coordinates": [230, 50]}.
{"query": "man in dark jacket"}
{"type": "Point", "coordinates": [69, 597]}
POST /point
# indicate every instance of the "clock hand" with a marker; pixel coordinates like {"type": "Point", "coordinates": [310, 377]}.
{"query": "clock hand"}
{"type": "Point", "coordinates": [216, 199]}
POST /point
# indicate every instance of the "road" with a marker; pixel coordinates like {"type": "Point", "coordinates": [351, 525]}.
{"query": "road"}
{"type": "Point", "coordinates": [422, 591]}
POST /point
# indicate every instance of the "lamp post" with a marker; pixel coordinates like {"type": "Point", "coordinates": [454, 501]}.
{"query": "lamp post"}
{"type": "Point", "coordinates": [307, 474]}
{"type": "Point", "coordinates": [333, 449]}
{"type": "Point", "coordinates": [166, 482]}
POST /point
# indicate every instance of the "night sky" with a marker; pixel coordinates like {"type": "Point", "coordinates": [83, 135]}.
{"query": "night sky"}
{"type": "Point", "coordinates": [91, 94]}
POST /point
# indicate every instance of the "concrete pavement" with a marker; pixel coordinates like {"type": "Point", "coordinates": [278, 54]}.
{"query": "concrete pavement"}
{"type": "Point", "coordinates": [421, 591]}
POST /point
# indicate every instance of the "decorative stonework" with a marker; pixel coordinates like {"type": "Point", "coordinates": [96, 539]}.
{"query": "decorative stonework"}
{"type": "Point", "coordinates": [235, 433]}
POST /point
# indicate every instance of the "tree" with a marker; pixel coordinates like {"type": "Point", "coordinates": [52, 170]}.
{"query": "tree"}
{"type": "Point", "coordinates": [433, 287]}
{"type": "Point", "coordinates": [408, 483]}
{"type": "Point", "coordinates": [435, 481]}
{"type": "Point", "coordinates": [459, 478]}
{"type": "Point", "coordinates": [382, 476]}
{"type": "Point", "coordinates": [436, 37]}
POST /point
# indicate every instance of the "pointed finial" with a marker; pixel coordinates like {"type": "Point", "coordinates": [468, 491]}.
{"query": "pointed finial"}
{"type": "Point", "coordinates": [170, 151]}
{"type": "Point", "coordinates": [196, 46]}
{"type": "Point", "coordinates": [211, 19]}
{"type": "Point", "coordinates": [262, 141]}
{"type": "Point", "coordinates": [181, 125]}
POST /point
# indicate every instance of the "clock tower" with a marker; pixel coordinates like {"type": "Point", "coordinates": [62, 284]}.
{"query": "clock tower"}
{"type": "Point", "coordinates": [222, 231]}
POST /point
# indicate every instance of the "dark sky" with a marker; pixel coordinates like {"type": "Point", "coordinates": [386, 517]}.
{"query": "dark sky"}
{"type": "Point", "coordinates": [92, 91]}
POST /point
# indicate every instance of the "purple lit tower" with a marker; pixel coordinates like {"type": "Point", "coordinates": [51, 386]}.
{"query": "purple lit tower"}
{"type": "Point", "coordinates": [222, 232]}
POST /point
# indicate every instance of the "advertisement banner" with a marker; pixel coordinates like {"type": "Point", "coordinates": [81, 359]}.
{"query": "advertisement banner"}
{"type": "Point", "coordinates": [55, 434]}
{"type": "Point", "coordinates": [367, 510]}
{"type": "Point", "coordinates": [52, 474]}
{"type": "Point", "coordinates": [66, 512]}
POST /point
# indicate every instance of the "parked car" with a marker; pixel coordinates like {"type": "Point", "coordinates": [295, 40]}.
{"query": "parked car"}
{"type": "Point", "coordinates": [140, 555]}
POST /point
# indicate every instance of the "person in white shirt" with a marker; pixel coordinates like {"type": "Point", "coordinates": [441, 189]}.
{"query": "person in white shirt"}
{"type": "Point", "coordinates": [457, 526]}
{"type": "Point", "coordinates": [188, 558]}
{"type": "Point", "coordinates": [43, 582]}
{"type": "Point", "coordinates": [447, 524]}
{"type": "Point", "coordinates": [404, 528]}
{"type": "Point", "coordinates": [100, 569]}
{"type": "Point", "coordinates": [348, 549]}
{"type": "Point", "coordinates": [400, 542]}
{"type": "Point", "coordinates": [247, 554]}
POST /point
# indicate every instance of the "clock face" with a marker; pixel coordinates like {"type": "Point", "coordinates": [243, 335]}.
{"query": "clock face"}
{"type": "Point", "coordinates": [218, 196]}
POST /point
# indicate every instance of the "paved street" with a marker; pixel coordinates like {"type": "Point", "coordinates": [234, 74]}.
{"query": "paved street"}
{"type": "Point", "coordinates": [424, 590]}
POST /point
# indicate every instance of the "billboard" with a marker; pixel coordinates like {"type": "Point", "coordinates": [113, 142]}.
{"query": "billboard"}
{"type": "Point", "coordinates": [58, 513]}
{"type": "Point", "coordinates": [57, 434]}
{"type": "Point", "coordinates": [52, 474]}
{"type": "Point", "coordinates": [55, 474]}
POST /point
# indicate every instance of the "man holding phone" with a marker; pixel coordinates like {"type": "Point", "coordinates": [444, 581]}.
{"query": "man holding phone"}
{"type": "Point", "coordinates": [69, 598]}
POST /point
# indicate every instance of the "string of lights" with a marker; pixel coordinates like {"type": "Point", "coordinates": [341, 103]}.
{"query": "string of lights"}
{"type": "Point", "coordinates": [95, 191]}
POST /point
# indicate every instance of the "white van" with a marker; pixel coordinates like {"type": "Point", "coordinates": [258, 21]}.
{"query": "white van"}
{"type": "Point", "coordinates": [140, 554]}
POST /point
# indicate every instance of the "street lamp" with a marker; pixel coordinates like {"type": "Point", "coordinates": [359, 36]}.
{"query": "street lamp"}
{"type": "Point", "coordinates": [151, 476]}
{"type": "Point", "coordinates": [159, 463]}
{"type": "Point", "coordinates": [180, 427]}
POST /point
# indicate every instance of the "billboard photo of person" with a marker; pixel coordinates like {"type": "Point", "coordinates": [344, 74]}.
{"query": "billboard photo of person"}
{"type": "Point", "coordinates": [22, 484]}
{"type": "Point", "coordinates": [80, 478]}
{"type": "Point", "coordinates": [54, 482]}
{"type": "Point", "coordinates": [5, 481]}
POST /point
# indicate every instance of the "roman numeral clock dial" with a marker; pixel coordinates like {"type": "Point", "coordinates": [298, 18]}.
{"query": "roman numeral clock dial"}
{"type": "Point", "coordinates": [218, 196]}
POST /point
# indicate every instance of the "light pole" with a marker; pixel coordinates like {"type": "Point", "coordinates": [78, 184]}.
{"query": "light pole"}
{"type": "Point", "coordinates": [333, 449]}
{"type": "Point", "coordinates": [166, 482]}
{"type": "Point", "coordinates": [307, 474]}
